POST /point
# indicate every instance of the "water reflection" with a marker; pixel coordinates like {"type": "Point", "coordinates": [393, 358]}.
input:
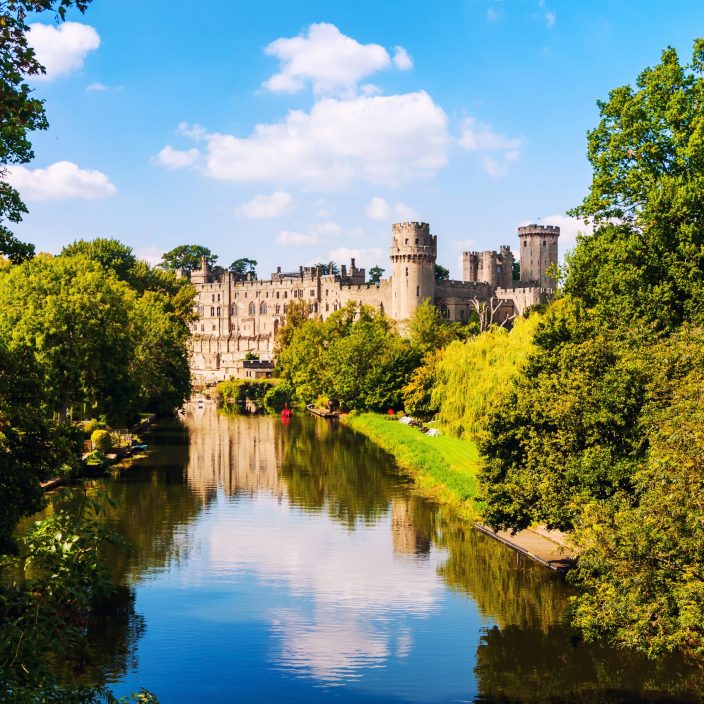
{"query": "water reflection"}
{"type": "Point", "coordinates": [300, 566]}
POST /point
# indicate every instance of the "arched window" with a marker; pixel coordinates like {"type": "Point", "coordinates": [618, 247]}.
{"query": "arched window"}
{"type": "Point", "coordinates": [252, 309]}
{"type": "Point", "coordinates": [234, 309]}
{"type": "Point", "coordinates": [278, 308]}
{"type": "Point", "coordinates": [262, 309]}
{"type": "Point", "coordinates": [212, 312]}
{"type": "Point", "coordinates": [218, 311]}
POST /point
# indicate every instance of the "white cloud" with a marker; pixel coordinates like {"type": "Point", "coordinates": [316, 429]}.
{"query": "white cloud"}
{"type": "Point", "coordinates": [382, 139]}
{"type": "Point", "coordinates": [61, 49]}
{"type": "Point", "coordinates": [402, 59]}
{"type": "Point", "coordinates": [550, 19]}
{"type": "Point", "coordinates": [379, 209]}
{"type": "Point", "coordinates": [364, 257]}
{"type": "Point", "coordinates": [102, 88]}
{"type": "Point", "coordinates": [175, 158]}
{"type": "Point", "coordinates": [314, 235]}
{"type": "Point", "coordinates": [331, 61]}
{"type": "Point", "coordinates": [61, 180]}
{"type": "Point", "coordinates": [496, 150]}
{"type": "Point", "coordinates": [264, 206]}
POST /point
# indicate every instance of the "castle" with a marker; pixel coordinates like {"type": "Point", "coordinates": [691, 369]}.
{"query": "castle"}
{"type": "Point", "coordinates": [240, 316]}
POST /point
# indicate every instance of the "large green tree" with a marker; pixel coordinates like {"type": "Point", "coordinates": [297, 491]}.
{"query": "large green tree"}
{"type": "Point", "coordinates": [187, 257]}
{"type": "Point", "coordinates": [20, 112]}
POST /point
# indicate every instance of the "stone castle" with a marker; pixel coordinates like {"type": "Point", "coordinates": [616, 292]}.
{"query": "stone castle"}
{"type": "Point", "coordinates": [240, 316]}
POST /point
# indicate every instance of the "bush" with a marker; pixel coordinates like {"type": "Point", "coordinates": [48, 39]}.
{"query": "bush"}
{"type": "Point", "coordinates": [101, 440]}
{"type": "Point", "coordinates": [276, 398]}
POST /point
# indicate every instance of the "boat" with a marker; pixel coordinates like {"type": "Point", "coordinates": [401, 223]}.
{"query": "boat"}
{"type": "Point", "coordinates": [322, 412]}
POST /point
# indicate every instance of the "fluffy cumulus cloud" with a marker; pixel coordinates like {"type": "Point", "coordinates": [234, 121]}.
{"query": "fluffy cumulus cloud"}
{"type": "Point", "coordinates": [263, 206]}
{"type": "Point", "coordinates": [496, 150]}
{"type": "Point", "coordinates": [364, 257]}
{"type": "Point", "coordinates": [384, 140]}
{"type": "Point", "coordinates": [176, 158]}
{"type": "Point", "coordinates": [61, 180]}
{"type": "Point", "coordinates": [62, 49]}
{"type": "Point", "coordinates": [330, 61]}
{"type": "Point", "coordinates": [315, 234]}
{"type": "Point", "coordinates": [383, 211]}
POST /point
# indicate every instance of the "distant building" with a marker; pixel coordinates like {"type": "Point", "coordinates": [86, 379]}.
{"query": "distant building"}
{"type": "Point", "coordinates": [236, 317]}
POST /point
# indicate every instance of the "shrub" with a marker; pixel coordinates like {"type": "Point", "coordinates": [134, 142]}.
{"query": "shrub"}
{"type": "Point", "coordinates": [276, 398]}
{"type": "Point", "coordinates": [101, 440]}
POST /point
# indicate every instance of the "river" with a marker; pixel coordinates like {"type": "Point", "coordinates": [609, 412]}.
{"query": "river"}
{"type": "Point", "coordinates": [274, 562]}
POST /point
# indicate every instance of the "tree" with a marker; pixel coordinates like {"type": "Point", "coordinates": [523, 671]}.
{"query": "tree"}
{"type": "Point", "coordinates": [441, 273]}
{"type": "Point", "coordinates": [428, 328]}
{"type": "Point", "coordinates": [646, 257]}
{"type": "Point", "coordinates": [187, 257]}
{"type": "Point", "coordinates": [20, 112]}
{"type": "Point", "coordinates": [108, 252]}
{"type": "Point", "coordinates": [75, 317]}
{"type": "Point", "coordinates": [329, 268]}
{"type": "Point", "coordinates": [243, 268]}
{"type": "Point", "coordinates": [375, 274]}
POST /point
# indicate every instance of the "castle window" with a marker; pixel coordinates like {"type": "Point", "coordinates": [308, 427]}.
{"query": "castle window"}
{"type": "Point", "coordinates": [245, 294]}
{"type": "Point", "coordinates": [416, 240]}
{"type": "Point", "coordinates": [213, 299]}
{"type": "Point", "coordinates": [262, 309]}
{"type": "Point", "coordinates": [285, 308]}
{"type": "Point", "coordinates": [406, 240]}
{"type": "Point", "coordinates": [327, 307]}
{"type": "Point", "coordinates": [218, 311]}
{"type": "Point", "coordinates": [202, 328]}
{"type": "Point", "coordinates": [406, 271]}
{"type": "Point", "coordinates": [213, 327]}
{"type": "Point", "coordinates": [315, 307]}
{"type": "Point", "coordinates": [252, 309]}
{"type": "Point", "coordinates": [278, 309]}
{"type": "Point", "coordinates": [267, 294]}
{"type": "Point", "coordinates": [417, 291]}
{"type": "Point", "coordinates": [218, 296]}
{"type": "Point", "coordinates": [277, 294]}
{"type": "Point", "coordinates": [312, 292]}
{"type": "Point", "coordinates": [525, 243]}
{"type": "Point", "coordinates": [543, 243]}
{"type": "Point", "coordinates": [285, 294]}
{"type": "Point", "coordinates": [212, 312]}
{"type": "Point", "coordinates": [234, 309]}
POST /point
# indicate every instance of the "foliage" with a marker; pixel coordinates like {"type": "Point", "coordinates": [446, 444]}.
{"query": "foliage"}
{"type": "Point", "coordinates": [243, 268]}
{"type": "Point", "coordinates": [32, 448]}
{"type": "Point", "coordinates": [329, 268]}
{"type": "Point", "coordinates": [354, 356]}
{"type": "Point", "coordinates": [375, 274]}
{"type": "Point", "coordinates": [101, 440]}
{"type": "Point", "coordinates": [473, 376]}
{"type": "Point", "coordinates": [418, 392]}
{"type": "Point", "coordinates": [296, 314]}
{"type": "Point", "coordinates": [444, 468]}
{"type": "Point", "coordinates": [109, 253]}
{"type": "Point", "coordinates": [47, 596]}
{"type": "Point", "coordinates": [601, 434]}
{"type": "Point", "coordinates": [646, 259]}
{"type": "Point", "coordinates": [278, 397]}
{"type": "Point", "coordinates": [430, 331]}
{"type": "Point", "coordinates": [21, 113]}
{"type": "Point", "coordinates": [251, 356]}
{"type": "Point", "coordinates": [442, 273]}
{"type": "Point", "coordinates": [234, 391]}
{"type": "Point", "coordinates": [187, 257]}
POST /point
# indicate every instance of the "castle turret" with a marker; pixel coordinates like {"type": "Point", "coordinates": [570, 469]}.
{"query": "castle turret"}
{"type": "Point", "coordinates": [506, 259]}
{"type": "Point", "coordinates": [413, 254]}
{"type": "Point", "coordinates": [538, 244]}
{"type": "Point", "coordinates": [202, 275]}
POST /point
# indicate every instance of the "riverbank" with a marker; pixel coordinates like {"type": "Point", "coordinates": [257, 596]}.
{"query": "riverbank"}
{"type": "Point", "coordinates": [444, 468]}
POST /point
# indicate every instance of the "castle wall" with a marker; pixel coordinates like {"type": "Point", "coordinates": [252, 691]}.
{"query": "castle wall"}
{"type": "Point", "coordinates": [236, 317]}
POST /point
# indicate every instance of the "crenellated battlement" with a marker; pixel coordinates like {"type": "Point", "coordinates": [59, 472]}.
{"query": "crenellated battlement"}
{"type": "Point", "coordinates": [539, 230]}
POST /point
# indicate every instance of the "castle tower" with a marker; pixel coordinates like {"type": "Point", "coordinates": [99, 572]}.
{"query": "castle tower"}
{"type": "Point", "coordinates": [202, 275]}
{"type": "Point", "coordinates": [470, 266]}
{"type": "Point", "coordinates": [538, 245]}
{"type": "Point", "coordinates": [506, 258]}
{"type": "Point", "coordinates": [413, 254]}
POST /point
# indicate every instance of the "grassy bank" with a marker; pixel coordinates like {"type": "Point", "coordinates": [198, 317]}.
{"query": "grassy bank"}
{"type": "Point", "coordinates": [443, 468]}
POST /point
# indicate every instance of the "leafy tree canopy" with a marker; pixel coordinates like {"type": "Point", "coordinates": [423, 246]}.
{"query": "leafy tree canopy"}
{"type": "Point", "coordinates": [441, 273]}
{"type": "Point", "coordinates": [20, 112]}
{"type": "Point", "coordinates": [242, 268]}
{"type": "Point", "coordinates": [329, 268]}
{"type": "Point", "coordinates": [188, 257]}
{"type": "Point", "coordinates": [375, 274]}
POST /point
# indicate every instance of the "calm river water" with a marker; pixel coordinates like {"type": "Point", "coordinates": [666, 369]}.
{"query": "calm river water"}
{"type": "Point", "coordinates": [291, 563]}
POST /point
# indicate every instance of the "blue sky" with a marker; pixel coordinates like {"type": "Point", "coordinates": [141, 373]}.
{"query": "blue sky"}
{"type": "Point", "coordinates": [298, 132]}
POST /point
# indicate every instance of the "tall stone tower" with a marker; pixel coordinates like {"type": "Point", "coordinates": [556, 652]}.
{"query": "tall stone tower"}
{"type": "Point", "coordinates": [413, 254]}
{"type": "Point", "coordinates": [538, 244]}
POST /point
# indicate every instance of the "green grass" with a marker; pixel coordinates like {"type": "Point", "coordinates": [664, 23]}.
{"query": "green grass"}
{"type": "Point", "coordinates": [444, 468]}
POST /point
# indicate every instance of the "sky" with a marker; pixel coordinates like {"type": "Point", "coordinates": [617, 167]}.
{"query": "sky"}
{"type": "Point", "coordinates": [294, 133]}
